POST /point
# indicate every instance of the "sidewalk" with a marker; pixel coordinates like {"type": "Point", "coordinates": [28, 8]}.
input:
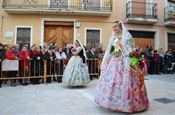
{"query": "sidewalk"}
{"type": "Point", "coordinates": [57, 99]}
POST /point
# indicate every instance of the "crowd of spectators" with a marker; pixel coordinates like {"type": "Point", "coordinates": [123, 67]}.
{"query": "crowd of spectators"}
{"type": "Point", "coordinates": [31, 61]}
{"type": "Point", "coordinates": [158, 61]}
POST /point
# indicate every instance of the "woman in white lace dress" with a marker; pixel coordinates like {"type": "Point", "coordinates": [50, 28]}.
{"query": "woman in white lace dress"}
{"type": "Point", "coordinates": [76, 72]}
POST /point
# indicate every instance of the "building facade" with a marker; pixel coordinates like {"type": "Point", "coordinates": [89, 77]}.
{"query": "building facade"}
{"type": "Point", "coordinates": [151, 22]}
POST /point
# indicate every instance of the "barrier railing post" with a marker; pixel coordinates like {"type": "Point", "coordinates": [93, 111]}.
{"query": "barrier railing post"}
{"type": "Point", "coordinates": [45, 70]}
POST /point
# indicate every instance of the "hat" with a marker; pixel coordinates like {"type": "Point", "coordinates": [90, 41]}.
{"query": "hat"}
{"type": "Point", "coordinates": [51, 47]}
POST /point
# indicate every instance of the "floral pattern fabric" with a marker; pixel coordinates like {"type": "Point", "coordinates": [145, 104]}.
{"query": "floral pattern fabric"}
{"type": "Point", "coordinates": [76, 72]}
{"type": "Point", "coordinates": [119, 89]}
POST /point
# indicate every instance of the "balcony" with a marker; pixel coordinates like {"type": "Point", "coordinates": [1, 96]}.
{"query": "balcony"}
{"type": "Point", "coordinates": [169, 16]}
{"type": "Point", "coordinates": [141, 13]}
{"type": "Point", "coordinates": [68, 7]}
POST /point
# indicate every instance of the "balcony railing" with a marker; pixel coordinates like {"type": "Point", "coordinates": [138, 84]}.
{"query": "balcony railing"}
{"type": "Point", "coordinates": [169, 16]}
{"type": "Point", "coordinates": [58, 5]}
{"type": "Point", "coordinates": [141, 10]}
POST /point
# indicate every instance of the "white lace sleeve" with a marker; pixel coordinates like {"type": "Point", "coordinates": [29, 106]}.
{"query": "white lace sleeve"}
{"type": "Point", "coordinates": [78, 49]}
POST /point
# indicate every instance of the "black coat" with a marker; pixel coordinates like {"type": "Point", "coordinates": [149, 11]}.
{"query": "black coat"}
{"type": "Point", "coordinates": [2, 54]}
{"type": "Point", "coordinates": [50, 63]}
{"type": "Point", "coordinates": [91, 55]}
{"type": "Point", "coordinates": [38, 64]}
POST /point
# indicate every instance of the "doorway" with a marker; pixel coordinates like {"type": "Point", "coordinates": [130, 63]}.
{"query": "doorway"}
{"type": "Point", "coordinates": [58, 32]}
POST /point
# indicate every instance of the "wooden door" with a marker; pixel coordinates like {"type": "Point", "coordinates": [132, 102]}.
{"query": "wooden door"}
{"type": "Point", "coordinates": [60, 33]}
{"type": "Point", "coordinates": [143, 42]}
{"type": "Point", "coordinates": [139, 8]}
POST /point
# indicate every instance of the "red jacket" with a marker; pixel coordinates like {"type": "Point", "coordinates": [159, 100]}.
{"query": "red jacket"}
{"type": "Point", "coordinates": [10, 54]}
{"type": "Point", "coordinates": [24, 61]}
{"type": "Point", "coordinates": [156, 58]}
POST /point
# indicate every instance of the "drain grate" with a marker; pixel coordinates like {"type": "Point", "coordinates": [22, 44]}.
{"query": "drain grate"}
{"type": "Point", "coordinates": [165, 100]}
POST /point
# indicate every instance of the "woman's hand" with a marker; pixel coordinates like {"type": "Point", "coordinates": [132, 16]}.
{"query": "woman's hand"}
{"type": "Point", "coordinates": [38, 58]}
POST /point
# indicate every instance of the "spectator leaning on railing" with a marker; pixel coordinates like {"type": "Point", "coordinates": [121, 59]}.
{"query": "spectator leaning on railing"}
{"type": "Point", "coordinates": [61, 56]}
{"type": "Point", "coordinates": [24, 64]}
{"type": "Point", "coordinates": [12, 54]}
{"type": "Point", "coordinates": [2, 56]}
{"type": "Point", "coordinates": [92, 63]}
{"type": "Point", "coordinates": [50, 57]}
{"type": "Point", "coordinates": [38, 64]}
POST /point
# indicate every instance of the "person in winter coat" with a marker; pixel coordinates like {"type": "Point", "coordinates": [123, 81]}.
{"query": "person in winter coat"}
{"type": "Point", "coordinates": [12, 54]}
{"type": "Point", "coordinates": [2, 57]}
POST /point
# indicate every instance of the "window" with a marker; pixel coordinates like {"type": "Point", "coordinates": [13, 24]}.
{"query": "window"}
{"type": "Point", "coordinates": [91, 4]}
{"type": "Point", "coordinates": [171, 3]}
{"type": "Point", "coordinates": [23, 36]}
{"type": "Point", "coordinates": [171, 0]}
{"type": "Point", "coordinates": [142, 34]}
{"type": "Point", "coordinates": [92, 38]}
{"type": "Point", "coordinates": [59, 3]}
{"type": "Point", "coordinates": [171, 41]}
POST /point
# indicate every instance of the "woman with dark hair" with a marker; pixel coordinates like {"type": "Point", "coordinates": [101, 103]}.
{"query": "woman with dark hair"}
{"type": "Point", "coordinates": [151, 62]}
{"type": "Point", "coordinates": [2, 57]}
{"type": "Point", "coordinates": [168, 58]}
{"type": "Point", "coordinates": [76, 72]}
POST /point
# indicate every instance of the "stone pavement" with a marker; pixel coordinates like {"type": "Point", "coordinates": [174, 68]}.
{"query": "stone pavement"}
{"type": "Point", "coordinates": [57, 99]}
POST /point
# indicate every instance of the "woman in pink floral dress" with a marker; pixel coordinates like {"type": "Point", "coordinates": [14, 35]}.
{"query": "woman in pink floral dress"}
{"type": "Point", "coordinates": [121, 87]}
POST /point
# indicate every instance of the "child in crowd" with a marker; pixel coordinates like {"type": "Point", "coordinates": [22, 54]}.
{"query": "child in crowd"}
{"type": "Point", "coordinates": [144, 64]}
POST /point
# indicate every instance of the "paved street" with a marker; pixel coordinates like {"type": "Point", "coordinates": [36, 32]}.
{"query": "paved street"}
{"type": "Point", "coordinates": [57, 99]}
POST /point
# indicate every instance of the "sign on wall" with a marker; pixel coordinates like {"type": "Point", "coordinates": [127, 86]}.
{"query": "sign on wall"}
{"type": "Point", "coordinates": [9, 34]}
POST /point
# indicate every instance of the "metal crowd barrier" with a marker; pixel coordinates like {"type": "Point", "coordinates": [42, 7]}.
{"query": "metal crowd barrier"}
{"type": "Point", "coordinates": [30, 69]}
{"type": "Point", "coordinates": [43, 69]}
{"type": "Point", "coordinates": [93, 66]}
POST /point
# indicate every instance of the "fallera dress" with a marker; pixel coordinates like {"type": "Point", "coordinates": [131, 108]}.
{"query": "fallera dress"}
{"type": "Point", "coordinates": [120, 89]}
{"type": "Point", "coordinates": [76, 72]}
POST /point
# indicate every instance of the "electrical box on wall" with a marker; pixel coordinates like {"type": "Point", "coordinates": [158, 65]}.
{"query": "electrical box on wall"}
{"type": "Point", "coordinates": [77, 24]}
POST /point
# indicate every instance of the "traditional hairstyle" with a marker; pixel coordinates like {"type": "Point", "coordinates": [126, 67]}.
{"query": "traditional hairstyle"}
{"type": "Point", "coordinates": [81, 45]}
{"type": "Point", "coordinates": [78, 42]}
{"type": "Point", "coordinates": [119, 24]}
